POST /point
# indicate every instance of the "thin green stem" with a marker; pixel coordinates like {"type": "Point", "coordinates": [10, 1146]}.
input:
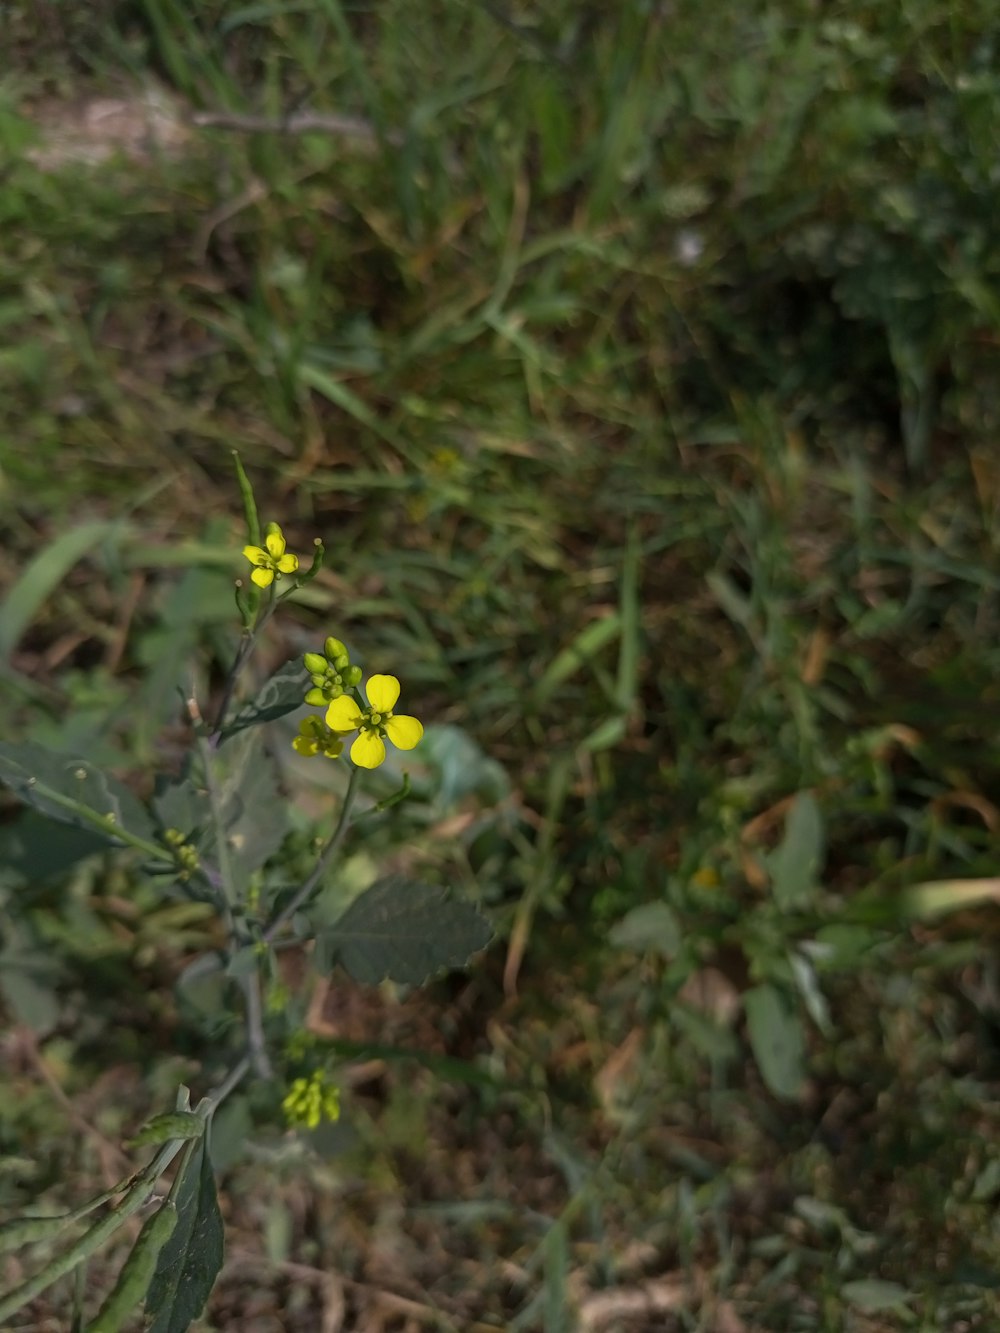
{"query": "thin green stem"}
{"type": "Point", "coordinates": [312, 883]}
{"type": "Point", "coordinates": [248, 642]}
{"type": "Point", "coordinates": [102, 823]}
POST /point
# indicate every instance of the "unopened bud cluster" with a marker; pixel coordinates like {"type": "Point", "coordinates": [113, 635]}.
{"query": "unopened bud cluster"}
{"type": "Point", "coordinates": [331, 673]}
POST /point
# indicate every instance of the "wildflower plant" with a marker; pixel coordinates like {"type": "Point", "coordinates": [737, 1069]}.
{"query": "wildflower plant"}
{"type": "Point", "coordinates": [211, 833]}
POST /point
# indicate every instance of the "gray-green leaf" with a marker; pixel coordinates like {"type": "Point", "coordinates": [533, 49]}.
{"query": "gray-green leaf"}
{"type": "Point", "coordinates": [68, 789]}
{"type": "Point", "coordinates": [796, 861]}
{"type": "Point", "coordinates": [872, 1294]}
{"type": "Point", "coordinates": [283, 693]}
{"type": "Point", "coordinates": [403, 930]}
{"type": "Point", "coordinates": [776, 1037]}
{"type": "Point", "coordinates": [190, 1261]}
{"type": "Point", "coordinates": [652, 927]}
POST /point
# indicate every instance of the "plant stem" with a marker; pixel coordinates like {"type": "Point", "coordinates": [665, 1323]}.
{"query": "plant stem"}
{"type": "Point", "coordinates": [248, 642]}
{"type": "Point", "coordinates": [310, 885]}
{"type": "Point", "coordinates": [139, 1190]}
{"type": "Point", "coordinates": [250, 984]}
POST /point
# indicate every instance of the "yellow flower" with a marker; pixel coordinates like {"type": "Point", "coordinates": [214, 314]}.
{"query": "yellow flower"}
{"type": "Point", "coordinates": [311, 1100]}
{"type": "Point", "coordinates": [270, 560]}
{"type": "Point", "coordinates": [375, 722]}
{"type": "Point", "coordinates": [315, 737]}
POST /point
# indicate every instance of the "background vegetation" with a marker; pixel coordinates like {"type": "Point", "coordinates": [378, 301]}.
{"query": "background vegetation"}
{"type": "Point", "coordinates": [638, 366]}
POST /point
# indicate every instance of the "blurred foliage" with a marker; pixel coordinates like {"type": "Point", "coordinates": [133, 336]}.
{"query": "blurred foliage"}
{"type": "Point", "coordinates": [640, 374]}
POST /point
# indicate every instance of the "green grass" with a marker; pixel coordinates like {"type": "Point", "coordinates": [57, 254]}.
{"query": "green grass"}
{"type": "Point", "coordinates": [640, 377]}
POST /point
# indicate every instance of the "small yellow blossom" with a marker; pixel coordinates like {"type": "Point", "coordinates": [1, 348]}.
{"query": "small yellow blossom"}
{"type": "Point", "coordinates": [315, 737]}
{"type": "Point", "coordinates": [270, 561]}
{"type": "Point", "coordinates": [311, 1101]}
{"type": "Point", "coordinates": [374, 723]}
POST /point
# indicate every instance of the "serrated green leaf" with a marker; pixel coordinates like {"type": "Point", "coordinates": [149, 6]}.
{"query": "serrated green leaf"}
{"type": "Point", "coordinates": [67, 789]}
{"type": "Point", "coordinates": [191, 1260]}
{"type": "Point", "coordinates": [403, 930]}
{"type": "Point", "coordinates": [796, 862]}
{"type": "Point", "coordinates": [282, 694]}
{"type": "Point", "coordinates": [651, 926]}
{"type": "Point", "coordinates": [775, 1032]}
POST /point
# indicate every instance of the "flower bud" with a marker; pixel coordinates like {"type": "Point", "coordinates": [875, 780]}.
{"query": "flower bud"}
{"type": "Point", "coordinates": [334, 649]}
{"type": "Point", "coordinates": [315, 664]}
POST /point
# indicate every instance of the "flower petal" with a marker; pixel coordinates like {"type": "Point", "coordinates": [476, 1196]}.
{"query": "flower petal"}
{"type": "Point", "coordinates": [263, 577]}
{"type": "Point", "coordinates": [275, 543]}
{"type": "Point", "coordinates": [383, 691]}
{"type": "Point", "coordinates": [307, 745]}
{"type": "Point", "coordinates": [256, 555]}
{"type": "Point", "coordinates": [288, 564]}
{"type": "Point", "coordinates": [368, 751]}
{"type": "Point", "coordinates": [343, 714]}
{"type": "Point", "coordinates": [404, 731]}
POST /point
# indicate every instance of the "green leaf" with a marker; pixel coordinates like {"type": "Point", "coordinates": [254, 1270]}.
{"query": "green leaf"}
{"type": "Point", "coordinates": [255, 813]}
{"type": "Point", "coordinates": [45, 573]}
{"type": "Point", "coordinates": [403, 930]}
{"type": "Point", "coordinates": [282, 694]}
{"type": "Point", "coordinates": [71, 790]}
{"type": "Point", "coordinates": [872, 1294]}
{"type": "Point", "coordinates": [777, 1040]}
{"type": "Point", "coordinates": [37, 849]}
{"type": "Point", "coordinates": [587, 644]}
{"type": "Point", "coordinates": [25, 985]}
{"type": "Point", "coordinates": [650, 927]}
{"type": "Point", "coordinates": [180, 805]}
{"type": "Point", "coordinates": [461, 768]}
{"type": "Point", "coordinates": [796, 862]}
{"type": "Point", "coordinates": [191, 1259]}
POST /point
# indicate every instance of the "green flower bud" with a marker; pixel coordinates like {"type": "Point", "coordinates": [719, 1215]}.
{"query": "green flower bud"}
{"type": "Point", "coordinates": [352, 676]}
{"type": "Point", "coordinates": [315, 664]}
{"type": "Point", "coordinates": [316, 697]}
{"type": "Point", "coordinates": [335, 649]}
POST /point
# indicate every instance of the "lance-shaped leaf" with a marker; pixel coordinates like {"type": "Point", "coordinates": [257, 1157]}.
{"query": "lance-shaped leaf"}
{"type": "Point", "coordinates": [402, 930]}
{"type": "Point", "coordinates": [190, 1261]}
{"type": "Point", "coordinates": [71, 790]}
{"type": "Point", "coordinates": [283, 693]}
{"type": "Point", "coordinates": [778, 1042]}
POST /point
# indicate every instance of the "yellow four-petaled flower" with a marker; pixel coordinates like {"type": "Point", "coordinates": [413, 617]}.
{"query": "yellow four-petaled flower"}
{"type": "Point", "coordinates": [374, 724]}
{"type": "Point", "coordinates": [270, 561]}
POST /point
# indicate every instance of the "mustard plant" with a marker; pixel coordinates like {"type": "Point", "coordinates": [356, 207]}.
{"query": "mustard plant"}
{"type": "Point", "coordinates": [210, 832]}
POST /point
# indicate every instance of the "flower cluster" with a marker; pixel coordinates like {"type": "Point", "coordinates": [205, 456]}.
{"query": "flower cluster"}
{"type": "Point", "coordinates": [312, 1100]}
{"type": "Point", "coordinates": [335, 682]}
{"type": "Point", "coordinates": [271, 560]}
